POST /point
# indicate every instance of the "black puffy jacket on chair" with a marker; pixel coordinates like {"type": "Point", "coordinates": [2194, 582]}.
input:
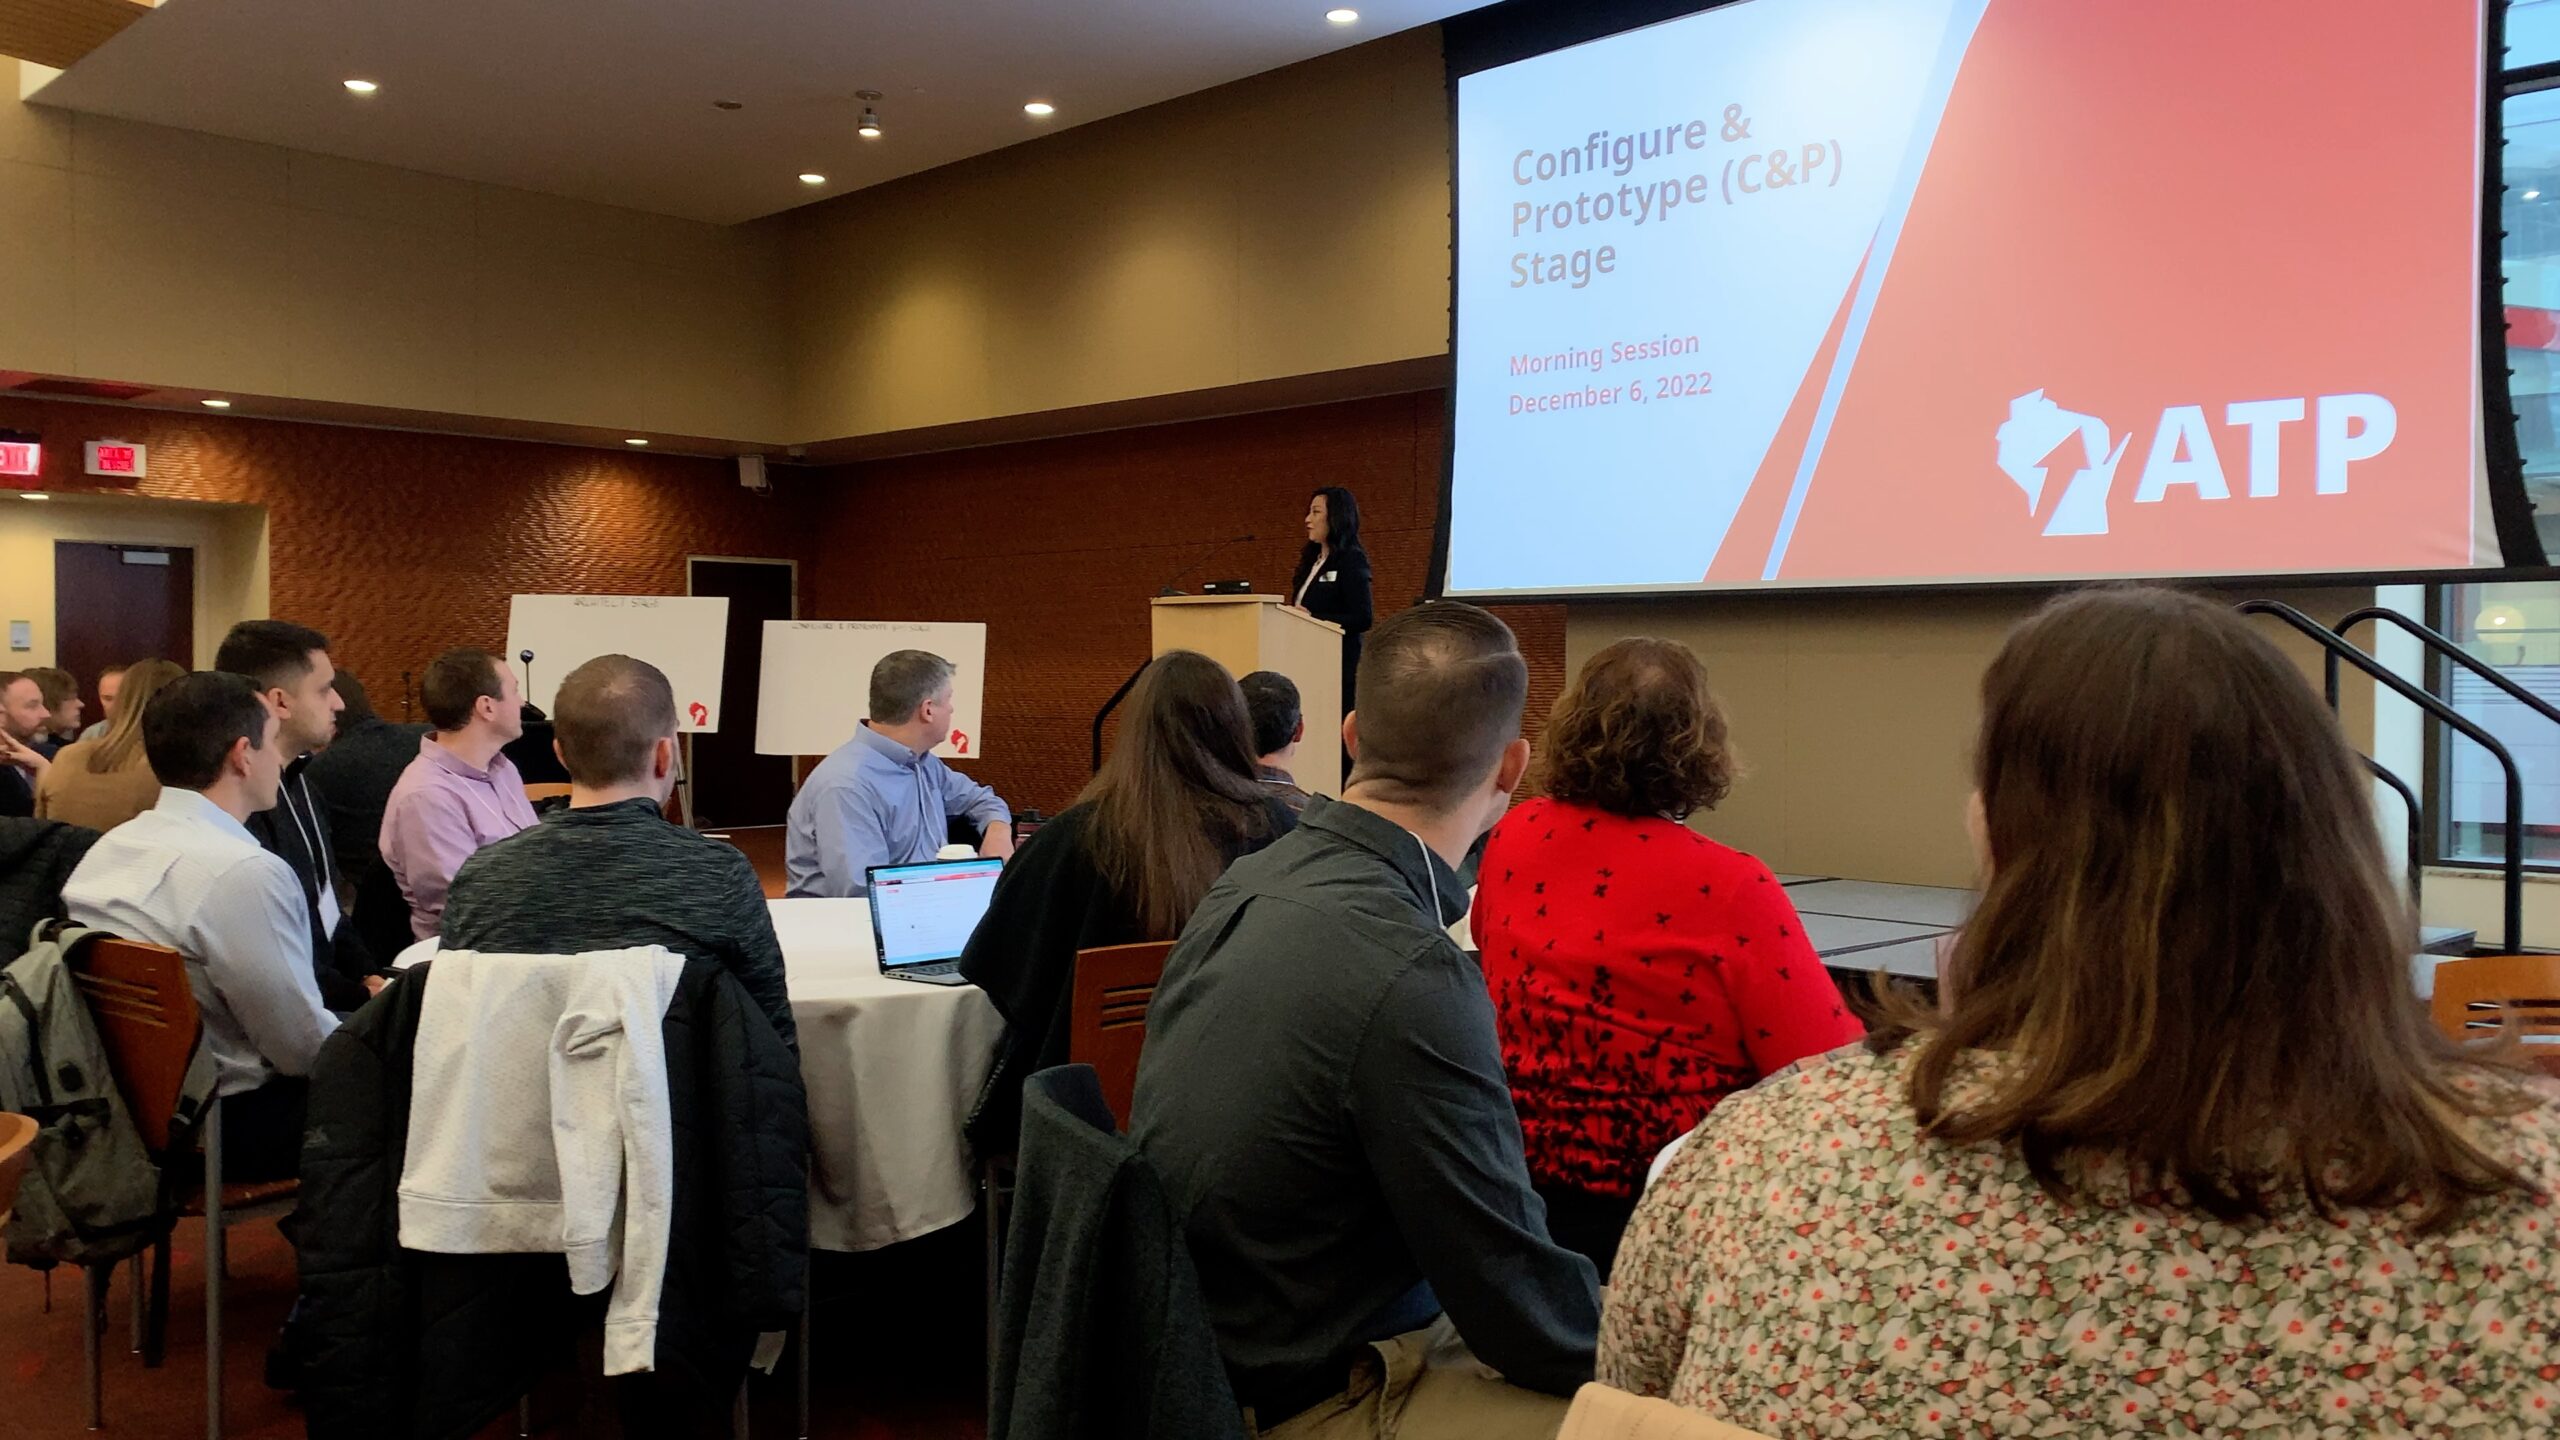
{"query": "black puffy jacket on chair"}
{"type": "Point", "coordinates": [36, 860]}
{"type": "Point", "coordinates": [1101, 1333]}
{"type": "Point", "coordinates": [403, 1343]}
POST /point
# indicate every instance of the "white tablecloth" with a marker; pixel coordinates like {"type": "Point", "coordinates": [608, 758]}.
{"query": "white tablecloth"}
{"type": "Point", "coordinates": [892, 1069]}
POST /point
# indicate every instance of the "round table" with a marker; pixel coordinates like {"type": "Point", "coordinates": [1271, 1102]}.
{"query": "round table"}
{"type": "Point", "coordinates": [892, 1068]}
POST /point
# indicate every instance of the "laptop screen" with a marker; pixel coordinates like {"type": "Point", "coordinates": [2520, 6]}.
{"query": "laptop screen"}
{"type": "Point", "coordinates": [924, 913]}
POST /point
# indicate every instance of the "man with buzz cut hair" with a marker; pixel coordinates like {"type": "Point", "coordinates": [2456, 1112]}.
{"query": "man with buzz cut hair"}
{"type": "Point", "coordinates": [187, 874]}
{"type": "Point", "coordinates": [884, 797]}
{"type": "Point", "coordinates": [611, 872]}
{"type": "Point", "coordinates": [462, 792]}
{"type": "Point", "coordinates": [1323, 1093]}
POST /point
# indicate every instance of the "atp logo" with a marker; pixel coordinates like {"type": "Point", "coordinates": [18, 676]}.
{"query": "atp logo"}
{"type": "Point", "coordinates": [2045, 447]}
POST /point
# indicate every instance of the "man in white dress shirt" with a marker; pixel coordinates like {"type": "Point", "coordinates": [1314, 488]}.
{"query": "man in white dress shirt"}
{"type": "Point", "coordinates": [187, 874]}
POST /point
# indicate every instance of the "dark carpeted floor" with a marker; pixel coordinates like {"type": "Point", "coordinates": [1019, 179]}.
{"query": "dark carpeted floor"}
{"type": "Point", "coordinates": [899, 1337]}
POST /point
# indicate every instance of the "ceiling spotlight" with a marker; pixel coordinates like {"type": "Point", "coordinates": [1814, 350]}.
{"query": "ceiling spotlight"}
{"type": "Point", "coordinates": [1038, 108]}
{"type": "Point", "coordinates": [1344, 16]}
{"type": "Point", "coordinates": [869, 129]}
{"type": "Point", "coordinates": [361, 87]}
{"type": "Point", "coordinates": [34, 495]}
{"type": "Point", "coordinates": [812, 177]}
{"type": "Point", "coordinates": [215, 404]}
{"type": "Point", "coordinates": [634, 440]}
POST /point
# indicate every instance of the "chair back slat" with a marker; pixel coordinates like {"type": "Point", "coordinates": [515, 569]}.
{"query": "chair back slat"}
{"type": "Point", "coordinates": [147, 1019]}
{"type": "Point", "coordinates": [2479, 996]}
{"type": "Point", "coordinates": [1107, 1015]}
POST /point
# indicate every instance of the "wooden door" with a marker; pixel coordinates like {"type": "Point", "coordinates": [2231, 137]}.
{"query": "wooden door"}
{"type": "Point", "coordinates": [732, 784]}
{"type": "Point", "coordinates": [115, 604]}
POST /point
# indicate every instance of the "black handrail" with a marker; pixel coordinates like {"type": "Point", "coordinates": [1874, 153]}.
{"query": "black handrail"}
{"type": "Point", "coordinates": [1113, 704]}
{"type": "Point", "coordinates": [2417, 824]}
{"type": "Point", "coordinates": [2338, 648]}
{"type": "Point", "coordinates": [2445, 645]}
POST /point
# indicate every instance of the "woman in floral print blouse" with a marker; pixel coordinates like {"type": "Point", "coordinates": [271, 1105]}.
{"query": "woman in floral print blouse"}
{"type": "Point", "coordinates": [2179, 1153]}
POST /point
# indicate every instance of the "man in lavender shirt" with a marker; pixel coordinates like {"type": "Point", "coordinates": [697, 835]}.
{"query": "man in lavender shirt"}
{"type": "Point", "coordinates": [460, 793]}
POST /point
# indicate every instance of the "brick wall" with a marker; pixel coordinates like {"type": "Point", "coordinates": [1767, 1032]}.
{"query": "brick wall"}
{"type": "Point", "coordinates": [399, 544]}
{"type": "Point", "coordinates": [1059, 544]}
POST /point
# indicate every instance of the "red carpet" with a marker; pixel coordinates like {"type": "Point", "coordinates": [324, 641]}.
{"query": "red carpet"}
{"type": "Point", "coordinates": [898, 1342]}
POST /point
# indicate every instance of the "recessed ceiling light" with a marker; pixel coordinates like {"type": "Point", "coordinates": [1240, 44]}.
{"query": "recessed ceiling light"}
{"type": "Point", "coordinates": [1343, 16]}
{"type": "Point", "coordinates": [34, 495]}
{"type": "Point", "coordinates": [215, 404]}
{"type": "Point", "coordinates": [812, 177]}
{"type": "Point", "coordinates": [634, 440]}
{"type": "Point", "coordinates": [362, 87]}
{"type": "Point", "coordinates": [2533, 194]}
{"type": "Point", "coordinates": [1039, 108]}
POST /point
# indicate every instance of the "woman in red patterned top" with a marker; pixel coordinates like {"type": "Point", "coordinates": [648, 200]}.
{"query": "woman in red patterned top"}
{"type": "Point", "coordinates": [1641, 972]}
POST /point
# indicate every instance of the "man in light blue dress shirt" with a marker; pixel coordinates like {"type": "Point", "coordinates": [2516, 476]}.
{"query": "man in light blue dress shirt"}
{"type": "Point", "coordinates": [884, 798]}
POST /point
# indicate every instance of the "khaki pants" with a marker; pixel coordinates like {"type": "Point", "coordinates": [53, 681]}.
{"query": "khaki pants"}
{"type": "Point", "coordinates": [1424, 1385]}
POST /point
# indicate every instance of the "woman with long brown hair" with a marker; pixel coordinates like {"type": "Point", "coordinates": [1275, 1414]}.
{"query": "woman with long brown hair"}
{"type": "Point", "coordinates": [2178, 1151]}
{"type": "Point", "coordinates": [1176, 801]}
{"type": "Point", "coordinates": [102, 783]}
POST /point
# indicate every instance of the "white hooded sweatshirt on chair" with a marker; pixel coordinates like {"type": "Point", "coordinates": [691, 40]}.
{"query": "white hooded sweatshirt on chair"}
{"type": "Point", "coordinates": [539, 1123]}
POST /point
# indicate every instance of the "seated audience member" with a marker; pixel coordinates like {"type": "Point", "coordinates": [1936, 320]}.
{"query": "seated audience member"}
{"type": "Point", "coordinates": [62, 707]}
{"type": "Point", "coordinates": [188, 875]}
{"type": "Point", "coordinates": [1175, 803]}
{"type": "Point", "coordinates": [1641, 972]}
{"type": "Point", "coordinates": [1322, 1087]}
{"type": "Point", "coordinates": [1271, 698]}
{"type": "Point", "coordinates": [289, 664]}
{"type": "Point", "coordinates": [354, 778]}
{"type": "Point", "coordinates": [2178, 1152]}
{"type": "Point", "coordinates": [459, 793]}
{"type": "Point", "coordinates": [22, 720]}
{"type": "Point", "coordinates": [103, 783]}
{"type": "Point", "coordinates": [884, 797]}
{"type": "Point", "coordinates": [110, 683]}
{"type": "Point", "coordinates": [610, 872]}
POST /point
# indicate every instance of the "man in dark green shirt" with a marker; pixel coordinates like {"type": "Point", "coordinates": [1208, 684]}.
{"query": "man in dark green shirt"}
{"type": "Point", "coordinates": [610, 872]}
{"type": "Point", "coordinates": [1323, 1092]}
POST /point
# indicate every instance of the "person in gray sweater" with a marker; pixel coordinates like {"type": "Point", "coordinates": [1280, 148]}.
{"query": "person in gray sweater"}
{"type": "Point", "coordinates": [611, 871]}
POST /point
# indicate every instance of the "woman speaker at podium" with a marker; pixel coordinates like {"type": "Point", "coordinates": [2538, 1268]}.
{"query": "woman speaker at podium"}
{"type": "Point", "coordinates": [1332, 580]}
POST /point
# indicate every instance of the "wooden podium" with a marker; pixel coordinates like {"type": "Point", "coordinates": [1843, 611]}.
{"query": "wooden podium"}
{"type": "Point", "coordinates": [1246, 633]}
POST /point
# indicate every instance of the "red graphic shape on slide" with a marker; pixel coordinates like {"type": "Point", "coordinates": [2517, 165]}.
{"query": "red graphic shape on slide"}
{"type": "Point", "coordinates": [1755, 524]}
{"type": "Point", "coordinates": [2121, 211]}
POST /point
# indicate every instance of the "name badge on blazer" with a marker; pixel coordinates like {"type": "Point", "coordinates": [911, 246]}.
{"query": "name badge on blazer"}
{"type": "Point", "coordinates": [1330, 576]}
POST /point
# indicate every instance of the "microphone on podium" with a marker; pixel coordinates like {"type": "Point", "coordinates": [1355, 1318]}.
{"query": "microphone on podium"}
{"type": "Point", "coordinates": [1173, 586]}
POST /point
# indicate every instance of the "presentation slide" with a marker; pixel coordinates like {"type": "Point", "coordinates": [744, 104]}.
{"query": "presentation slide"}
{"type": "Point", "coordinates": [1869, 292]}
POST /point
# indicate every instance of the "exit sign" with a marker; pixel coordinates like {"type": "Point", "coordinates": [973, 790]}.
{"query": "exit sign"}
{"type": "Point", "coordinates": [116, 459]}
{"type": "Point", "coordinates": [21, 457]}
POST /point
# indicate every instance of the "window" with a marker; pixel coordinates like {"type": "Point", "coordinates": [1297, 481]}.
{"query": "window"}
{"type": "Point", "coordinates": [2516, 628]}
{"type": "Point", "coordinates": [2533, 33]}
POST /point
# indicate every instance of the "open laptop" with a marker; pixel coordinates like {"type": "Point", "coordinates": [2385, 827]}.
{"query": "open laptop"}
{"type": "Point", "coordinates": [922, 915]}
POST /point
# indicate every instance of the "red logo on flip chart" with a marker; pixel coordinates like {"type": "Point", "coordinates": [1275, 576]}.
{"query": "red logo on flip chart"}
{"type": "Point", "coordinates": [700, 712]}
{"type": "Point", "coordinates": [960, 741]}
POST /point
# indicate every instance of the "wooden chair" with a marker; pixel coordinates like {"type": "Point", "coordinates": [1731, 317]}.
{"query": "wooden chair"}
{"type": "Point", "coordinates": [148, 1022]}
{"type": "Point", "coordinates": [17, 1135]}
{"type": "Point", "coordinates": [1107, 1015]}
{"type": "Point", "coordinates": [2480, 996]}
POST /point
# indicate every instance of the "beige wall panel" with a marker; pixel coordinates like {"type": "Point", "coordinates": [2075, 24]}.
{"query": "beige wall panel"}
{"type": "Point", "coordinates": [230, 547]}
{"type": "Point", "coordinates": [1293, 223]}
{"type": "Point", "coordinates": [36, 310]}
{"type": "Point", "coordinates": [181, 287]}
{"type": "Point", "coordinates": [1855, 716]}
{"type": "Point", "coordinates": [380, 314]}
